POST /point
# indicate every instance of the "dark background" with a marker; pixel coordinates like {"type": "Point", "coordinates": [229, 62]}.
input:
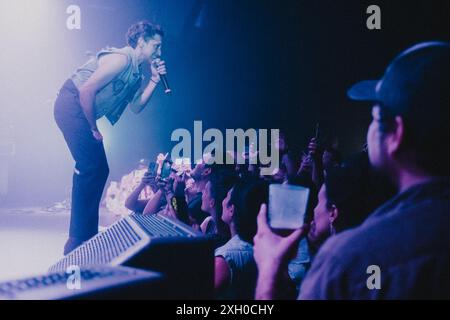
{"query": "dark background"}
{"type": "Point", "coordinates": [232, 64]}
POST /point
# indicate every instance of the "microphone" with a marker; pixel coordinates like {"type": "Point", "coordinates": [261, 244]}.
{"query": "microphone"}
{"type": "Point", "coordinates": [163, 77]}
{"type": "Point", "coordinates": [167, 89]}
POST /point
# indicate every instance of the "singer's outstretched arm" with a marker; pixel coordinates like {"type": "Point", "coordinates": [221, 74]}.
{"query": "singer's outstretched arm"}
{"type": "Point", "coordinates": [143, 96]}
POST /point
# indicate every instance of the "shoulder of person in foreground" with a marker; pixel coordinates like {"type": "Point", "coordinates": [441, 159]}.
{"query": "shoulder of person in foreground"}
{"type": "Point", "coordinates": [404, 247]}
{"type": "Point", "coordinates": [334, 265]}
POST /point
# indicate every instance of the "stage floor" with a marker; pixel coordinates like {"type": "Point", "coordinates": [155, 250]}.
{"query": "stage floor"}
{"type": "Point", "coordinates": [32, 238]}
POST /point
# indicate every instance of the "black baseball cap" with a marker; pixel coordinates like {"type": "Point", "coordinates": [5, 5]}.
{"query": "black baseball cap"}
{"type": "Point", "coordinates": [416, 82]}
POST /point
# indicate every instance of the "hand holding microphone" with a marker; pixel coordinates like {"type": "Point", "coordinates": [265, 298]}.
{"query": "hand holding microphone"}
{"type": "Point", "coordinates": [158, 68]}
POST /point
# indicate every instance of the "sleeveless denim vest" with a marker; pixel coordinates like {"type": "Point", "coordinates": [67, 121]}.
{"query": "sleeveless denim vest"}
{"type": "Point", "coordinates": [112, 99]}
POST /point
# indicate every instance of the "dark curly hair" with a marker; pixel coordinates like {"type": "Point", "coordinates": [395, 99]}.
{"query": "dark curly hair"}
{"type": "Point", "coordinates": [247, 196]}
{"type": "Point", "coordinates": [221, 182]}
{"type": "Point", "coordinates": [143, 29]}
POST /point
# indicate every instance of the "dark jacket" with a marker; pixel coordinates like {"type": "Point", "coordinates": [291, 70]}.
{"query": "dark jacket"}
{"type": "Point", "coordinates": [408, 238]}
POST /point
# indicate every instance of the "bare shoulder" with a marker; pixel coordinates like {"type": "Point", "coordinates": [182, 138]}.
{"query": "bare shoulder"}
{"type": "Point", "coordinates": [113, 60]}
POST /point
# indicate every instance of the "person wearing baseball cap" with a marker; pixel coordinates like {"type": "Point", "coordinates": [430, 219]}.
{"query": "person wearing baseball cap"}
{"type": "Point", "coordinates": [414, 88]}
{"type": "Point", "coordinates": [402, 250]}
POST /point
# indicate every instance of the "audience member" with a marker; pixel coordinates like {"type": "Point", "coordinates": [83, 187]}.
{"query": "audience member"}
{"type": "Point", "coordinates": [235, 270]}
{"type": "Point", "coordinates": [407, 238]}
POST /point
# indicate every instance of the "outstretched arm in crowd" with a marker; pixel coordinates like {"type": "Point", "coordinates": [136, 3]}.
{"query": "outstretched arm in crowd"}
{"type": "Point", "coordinates": [272, 253]}
{"type": "Point", "coordinates": [154, 204]}
{"type": "Point", "coordinates": [133, 203]}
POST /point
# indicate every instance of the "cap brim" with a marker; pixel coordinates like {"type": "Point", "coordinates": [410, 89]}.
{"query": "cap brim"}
{"type": "Point", "coordinates": [363, 91]}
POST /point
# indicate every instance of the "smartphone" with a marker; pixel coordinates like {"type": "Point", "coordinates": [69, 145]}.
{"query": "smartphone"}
{"type": "Point", "coordinates": [166, 169]}
{"type": "Point", "coordinates": [287, 207]}
{"type": "Point", "coordinates": [152, 168]}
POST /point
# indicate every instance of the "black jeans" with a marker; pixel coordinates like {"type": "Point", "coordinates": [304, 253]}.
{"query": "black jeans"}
{"type": "Point", "coordinates": [91, 166]}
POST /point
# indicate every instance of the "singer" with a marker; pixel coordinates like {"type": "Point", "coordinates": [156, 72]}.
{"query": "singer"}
{"type": "Point", "coordinates": [104, 86]}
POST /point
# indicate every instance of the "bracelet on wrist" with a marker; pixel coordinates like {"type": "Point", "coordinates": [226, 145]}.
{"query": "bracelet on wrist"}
{"type": "Point", "coordinates": [155, 82]}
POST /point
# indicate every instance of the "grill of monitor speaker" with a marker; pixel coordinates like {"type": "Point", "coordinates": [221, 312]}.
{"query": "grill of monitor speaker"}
{"type": "Point", "coordinates": [95, 282]}
{"type": "Point", "coordinates": [182, 255]}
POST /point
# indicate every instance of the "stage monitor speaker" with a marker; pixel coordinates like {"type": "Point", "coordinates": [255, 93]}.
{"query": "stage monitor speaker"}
{"type": "Point", "coordinates": [153, 242]}
{"type": "Point", "coordinates": [98, 282]}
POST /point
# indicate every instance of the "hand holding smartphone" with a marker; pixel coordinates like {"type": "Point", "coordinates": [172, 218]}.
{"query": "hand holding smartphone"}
{"type": "Point", "coordinates": [287, 207]}
{"type": "Point", "coordinates": [166, 170]}
{"type": "Point", "coordinates": [152, 169]}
